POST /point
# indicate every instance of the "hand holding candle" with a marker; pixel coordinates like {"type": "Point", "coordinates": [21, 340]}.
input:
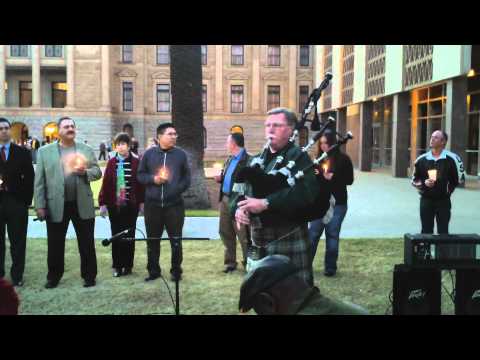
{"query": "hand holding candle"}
{"type": "Point", "coordinates": [75, 164]}
{"type": "Point", "coordinates": [218, 172]}
{"type": "Point", "coordinates": [162, 176]}
{"type": "Point", "coordinates": [80, 164]}
{"type": "Point", "coordinates": [326, 167]}
{"type": "Point", "coordinates": [432, 174]}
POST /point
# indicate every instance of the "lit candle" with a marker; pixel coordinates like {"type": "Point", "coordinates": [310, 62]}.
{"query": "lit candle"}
{"type": "Point", "coordinates": [79, 161]}
{"type": "Point", "coordinates": [218, 168]}
{"type": "Point", "coordinates": [432, 174]}
{"type": "Point", "coordinates": [325, 167]}
{"type": "Point", "coordinates": [163, 173]}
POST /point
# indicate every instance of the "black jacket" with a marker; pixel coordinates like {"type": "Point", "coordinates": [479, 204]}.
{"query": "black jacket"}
{"type": "Point", "coordinates": [18, 173]}
{"type": "Point", "coordinates": [342, 168]}
{"type": "Point", "coordinates": [240, 165]}
{"type": "Point", "coordinates": [450, 173]}
{"type": "Point", "coordinates": [169, 193]}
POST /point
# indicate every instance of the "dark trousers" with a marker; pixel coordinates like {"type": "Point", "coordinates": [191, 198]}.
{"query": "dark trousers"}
{"type": "Point", "coordinates": [156, 220]}
{"type": "Point", "coordinates": [122, 219]}
{"type": "Point", "coordinates": [435, 209]}
{"type": "Point", "coordinates": [56, 233]}
{"type": "Point", "coordinates": [13, 215]}
{"type": "Point", "coordinates": [102, 154]}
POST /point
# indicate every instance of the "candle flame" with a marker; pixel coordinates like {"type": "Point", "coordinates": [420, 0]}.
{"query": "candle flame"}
{"type": "Point", "coordinates": [73, 162]}
{"type": "Point", "coordinates": [325, 166]}
{"type": "Point", "coordinates": [163, 172]}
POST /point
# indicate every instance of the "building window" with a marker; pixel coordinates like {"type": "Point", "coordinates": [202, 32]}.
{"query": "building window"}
{"type": "Point", "coordinates": [273, 55]}
{"type": "Point", "coordinates": [237, 54]}
{"type": "Point", "coordinates": [163, 98]}
{"type": "Point", "coordinates": [127, 54]}
{"type": "Point", "coordinates": [53, 50]}
{"type": "Point", "coordinates": [273, 98]}
{"type": "Point", "coordinates": [127, 96]}
{"type": "Point", "coordinates": [237, 99]}
{"type": "Point", "coordinates": [163, 55]}
{"type": "Point", "coordinates": [59, 94]}
{"type": "Point", "coordinates": [204, 97]}
{"type": "Point", "coordinates": [19, 50]}
{"type": "Point", "coordinates": [304, 55]}
{"type": "Point", "coordinates": [25, 94]}
{"type": "Point", "coordinates": [204, 54]}
{"type": "Point", "coordinates": [302, 97]}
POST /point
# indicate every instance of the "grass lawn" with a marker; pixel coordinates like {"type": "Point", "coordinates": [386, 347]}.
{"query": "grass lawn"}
{"type": "Point", "coordinates": [364, 277]}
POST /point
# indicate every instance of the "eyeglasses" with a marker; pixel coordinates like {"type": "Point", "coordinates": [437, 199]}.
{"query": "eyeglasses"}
{"type": "Point", "coordinates": [4, 128]}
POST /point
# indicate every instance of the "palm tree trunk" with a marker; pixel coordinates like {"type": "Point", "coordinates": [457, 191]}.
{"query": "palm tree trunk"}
{"type": "Point", "coordinates": [187, 116]}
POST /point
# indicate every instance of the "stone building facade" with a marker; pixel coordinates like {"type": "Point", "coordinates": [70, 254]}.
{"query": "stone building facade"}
{"type": "Point", "coordinates": [107, 87]}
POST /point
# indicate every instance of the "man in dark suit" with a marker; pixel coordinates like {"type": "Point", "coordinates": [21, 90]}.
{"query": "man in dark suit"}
{"type": "Point", "coordinates": [16, 193]}
{"type": "Point", "coordinates": [228, 230]}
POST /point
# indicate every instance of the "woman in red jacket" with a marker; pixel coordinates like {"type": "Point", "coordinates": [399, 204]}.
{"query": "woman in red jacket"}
{"type": "Point", "coordinates": [122, 197]}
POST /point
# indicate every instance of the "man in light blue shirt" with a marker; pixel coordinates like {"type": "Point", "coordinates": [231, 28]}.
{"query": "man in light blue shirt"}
{"type": "Point", "coordinates": [228, 230]}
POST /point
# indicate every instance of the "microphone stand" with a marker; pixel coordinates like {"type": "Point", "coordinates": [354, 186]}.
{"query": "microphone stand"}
{"type": "Point", "coordinates": [175, 254]}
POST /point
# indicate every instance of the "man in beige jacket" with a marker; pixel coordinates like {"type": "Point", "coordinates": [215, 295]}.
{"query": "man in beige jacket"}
{"type": "Point", "coordinates": [62, 193]}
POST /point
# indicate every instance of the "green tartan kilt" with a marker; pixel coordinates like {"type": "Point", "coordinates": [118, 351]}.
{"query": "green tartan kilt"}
{"type": "Point", "coordinates": [291, 241]}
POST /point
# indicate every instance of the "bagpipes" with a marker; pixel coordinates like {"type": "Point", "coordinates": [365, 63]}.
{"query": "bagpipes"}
{"type": "Point", "coordinates": [262, 183]}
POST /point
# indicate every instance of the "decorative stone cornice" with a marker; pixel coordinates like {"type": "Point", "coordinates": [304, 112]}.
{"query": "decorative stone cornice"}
{"type": "Point", "coordinates": [127, 73]}
{"type": "Point", "coordinates": [161, 75]}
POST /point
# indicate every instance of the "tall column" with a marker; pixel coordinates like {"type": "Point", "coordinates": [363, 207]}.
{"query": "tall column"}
{"type": "Point", "coordinates": [342, 120]}
{"type": "Point", "coordinates": [478, 166]}
{"type": "Point", "coordinates": [219, 78]}
{"type": "Point", "coordinates": [365, 148]}
{"type": "Point", "coordinates": [106, 77]}
{"type": "Point", "coordinates": [292, 78]}
{"type": "Point", "coordinates": [456, 116]}
{"type": "Point", "coordinates": [70, 76]}
{"type": "Point", "coordinates": [256, 79]}
{"type": "Point", "coordinates": [36, 82]}
{"type": "Point", "coordinates": [400, 130]}
{"type": "Point", "coordinates": [2, 76]}
{"type": "Point", "coordinates": [414, 130]}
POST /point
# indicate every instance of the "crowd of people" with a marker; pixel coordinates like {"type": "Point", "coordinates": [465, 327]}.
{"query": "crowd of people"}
{"type": "Point", "coordinates": [280, 282]}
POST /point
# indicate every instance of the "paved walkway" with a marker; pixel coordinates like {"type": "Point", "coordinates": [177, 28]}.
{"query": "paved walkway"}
{"type": "Point", "coordinates": [380, 206]}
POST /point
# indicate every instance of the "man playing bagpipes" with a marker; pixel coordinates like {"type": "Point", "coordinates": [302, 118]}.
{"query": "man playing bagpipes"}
{"type": "Point", "coordinates": [274, 209]}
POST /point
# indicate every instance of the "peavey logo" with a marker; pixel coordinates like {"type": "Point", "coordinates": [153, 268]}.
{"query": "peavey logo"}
{"type": "Point", "coordinates": [476, 295]}
{"type": "Point", "coordinates": [417, 294]}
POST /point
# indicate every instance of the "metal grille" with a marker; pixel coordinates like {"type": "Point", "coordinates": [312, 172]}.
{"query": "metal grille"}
{"type": "Point", "coordinates": [347, 77]}
{"type": "Point", "coordinates": [327, 67]}
{"type": "Point", "coordinates": [418, 65]}
{"type": "Point", "coordinates": [375, 72]}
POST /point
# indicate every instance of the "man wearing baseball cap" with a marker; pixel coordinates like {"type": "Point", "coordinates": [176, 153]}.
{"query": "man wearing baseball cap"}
{"type": "Point", "coordinates": [273, 287]}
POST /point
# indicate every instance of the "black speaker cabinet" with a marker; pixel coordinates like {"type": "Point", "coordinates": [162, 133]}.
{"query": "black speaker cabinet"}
{"type": "Point", "coordinates": [467, 292]}
{"type": "Point", "coordinates": [416, 291]}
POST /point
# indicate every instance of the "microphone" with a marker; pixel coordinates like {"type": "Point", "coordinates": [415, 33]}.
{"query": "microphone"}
{"type": "Point", "coordinates": [120, 235]}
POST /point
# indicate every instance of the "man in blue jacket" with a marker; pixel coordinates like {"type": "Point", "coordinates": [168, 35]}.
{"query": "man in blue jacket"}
{"type": "Point", "coordinates": [165, 172]}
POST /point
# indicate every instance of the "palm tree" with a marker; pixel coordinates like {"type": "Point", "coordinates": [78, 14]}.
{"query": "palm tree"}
{"type": "Point", "coordinates": [187, 116]}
